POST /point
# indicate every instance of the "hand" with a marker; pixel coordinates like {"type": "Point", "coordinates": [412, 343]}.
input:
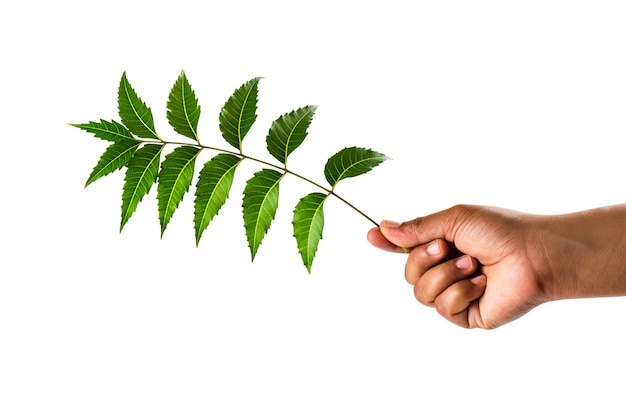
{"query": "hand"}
{"type": "Point", "coordinates": [470, 263]}
{"type": "Point", "coordinates": [483, 267]}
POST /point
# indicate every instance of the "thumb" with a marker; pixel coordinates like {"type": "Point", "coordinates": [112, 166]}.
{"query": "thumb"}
{"type": "Point", "coordinates": [441, 225]}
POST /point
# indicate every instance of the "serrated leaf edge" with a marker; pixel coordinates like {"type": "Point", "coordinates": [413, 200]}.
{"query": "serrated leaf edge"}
{"type": "Point", "coordinates": [105, 169]}
{"type": "Point", "coordinates": [199, 229]}
{"type": "Point", "coordinates": [127, 85]}
{"type": "Point", "coordinates": [91, 127]}
{"type": "Point", "coordinates": [341, 175]}
{"type": "Point", "coordinates": [165, 218]}
{"type": "Point", "coordinates": [310, 255]}
{"type": "Point", "coordinates": [183, 77]}
{"type": "Point", "coordinates": [239, 142]}
{"type": "Point", "coordinates": [126, 215]}
{"type": "Point", "coordinates": [255, 246]}
{"type": "Point", "coordinates": [309, 113]}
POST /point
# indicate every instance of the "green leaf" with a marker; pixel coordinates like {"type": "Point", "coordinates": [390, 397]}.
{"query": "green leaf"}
{"type": "Point", "coordinates": [288, 132]}
{"type": "Point", "coordinates": [308, 224]}
{"type": "Point", "coordinates": [239, 113]}
{"type": "Point", "coordinates": [174, 181]}
{"type": "Point", "coordinates": [109, 131]}
{"type": "Point", "coordinates": [183, 111]}
{"type": "Point", "coordinates": [134, 113]}
{"type": "Point", "coordinates": [351, 162]}
{"type": "Point", "coordinates": [114, 157]}
{"type": "Point", "coordinates": [260, 201]}
{"type": "Point", "coordinates": [214, 183]}
{"type": "Point", "coordinates": [141, 174]}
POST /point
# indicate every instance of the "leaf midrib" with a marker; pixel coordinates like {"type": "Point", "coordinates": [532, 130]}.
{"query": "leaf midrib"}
{"type": "Point", "coordinates": [256, 226]}
{"type": "Point", "coordinates": [351, 166]}
{"type": "Point", "coordinates": [291, 134]}
{"type": "Point", "coordinates": [243, 107]}
{"type": "Point", "coordinates": [308, 240]}
{"type": "Point", "coordinates": [193, 131]}
{"type": "Point", "coordinates": [141, 178]}
{"type": "Point", "coordinates": [171, 194]}
{"type": "Point", "coordinates": [117, 157]}
{"type": "Point", "coordinates": [105, 130]}
{"type": "Point", "coordinates": [217, 183]}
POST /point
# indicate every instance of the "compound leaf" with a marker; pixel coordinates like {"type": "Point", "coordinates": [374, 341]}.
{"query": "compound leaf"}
{"type": "Point", "coordinates": [308, 224]}
{"type": "Point", "coordinates": [288, 132]}
{"type": "Point", "coordinates": [212, 189]}
{"type": "Point", "coordinates": [351, 162]}
{"type": "Point", "coordinates": [174, 180]}
{"type": "Point", "coordinates": [239, 113]}
{"type": "Point", "coordinates": [183, 111]}
{"type": "Point", "coordinates": [109, 131]}
{"type": "Point", "coordinates": [134, 113]}
{"type": "Point", "coordinates": [260, 201]}
{"type": "Point", "coordinates": [114, 157]}
{"type": "Point", "coordinates": [141, 174]}
{"type": "Point", "coordinates": [136, 145]}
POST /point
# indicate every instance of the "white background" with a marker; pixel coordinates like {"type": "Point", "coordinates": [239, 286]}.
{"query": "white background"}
{"type": "Point", "coordinates": [515, 104]}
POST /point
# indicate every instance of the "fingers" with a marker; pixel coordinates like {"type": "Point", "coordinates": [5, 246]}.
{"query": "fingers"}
{"type": "Point", "coordinates": [455, 302]}
{"type": "Point", "coordinates": [435, 281]}
{"type": "Point", "coordinates": [446, 285]}
{"type": "Point", "coordinates": [422, 258]}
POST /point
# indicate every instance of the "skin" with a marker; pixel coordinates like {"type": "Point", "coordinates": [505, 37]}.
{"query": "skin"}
{"type": "Point", "coordinates": [482, 267]}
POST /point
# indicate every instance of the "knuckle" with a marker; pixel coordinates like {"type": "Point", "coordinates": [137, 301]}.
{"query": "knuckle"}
{"type": "Point", "coordinates": [443, 308]}
{"type": "Point", "coordinates": [414, 226]}
{"type": "Point", "coordinates": [421, 296]}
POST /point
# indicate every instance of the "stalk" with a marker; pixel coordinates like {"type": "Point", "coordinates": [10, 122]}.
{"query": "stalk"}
{"type": "Point", "coordinates": [284, 169]}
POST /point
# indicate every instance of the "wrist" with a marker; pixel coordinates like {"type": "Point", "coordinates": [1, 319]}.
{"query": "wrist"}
{"type": "Point", "coordinates": [584, 253]}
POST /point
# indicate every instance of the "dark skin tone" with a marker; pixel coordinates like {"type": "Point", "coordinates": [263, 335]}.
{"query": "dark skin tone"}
{"type": "Point", "coordinates": [482, 267]}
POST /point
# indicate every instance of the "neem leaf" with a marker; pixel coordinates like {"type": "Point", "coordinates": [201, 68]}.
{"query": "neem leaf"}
{"type": "Point", "coordinates": [288, 132]}
{"type": "Point", "coordinates": [174, 181]}
{"type": "Point", "coordinates": [351, 162]}
{"type": "Point", "coordinates": [141, 174]}
{"type": "Point", "coordinates": [134, 113]}
{"type": "Point", "coordinates": [260, 201]}
{"type": "Point", "coordinates": [214, 183]}
{"type": "Point", "coordinates": [109, 131]}
{"type": "Point", "coordinates": [136, 145]}
{"type": "Point", "coordinates": [239, 113]}
{"type": "Point", "coordinates": [183, 111]}
{"type": "Point", "coordinates": [114, 157]}
{"type": "Point", "coordinates": [308, 224]}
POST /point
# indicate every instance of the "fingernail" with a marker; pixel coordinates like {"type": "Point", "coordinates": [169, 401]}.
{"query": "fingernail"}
{"type": "Point", "coordinates": [390, 224]}
{"type": "Point", "coordinates": [478, 280]}
{"type": "Point", "coordinates": [463, 262]}
{"type": "Point", "coordinates": [433, 248]}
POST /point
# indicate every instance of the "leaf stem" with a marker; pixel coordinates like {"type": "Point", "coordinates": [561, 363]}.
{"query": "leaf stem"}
{"type": "Point", "coordinates": [282, 168]}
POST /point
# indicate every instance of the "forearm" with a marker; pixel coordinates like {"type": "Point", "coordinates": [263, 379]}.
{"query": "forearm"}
{"type": "Point", "coordinates": [585, 253]}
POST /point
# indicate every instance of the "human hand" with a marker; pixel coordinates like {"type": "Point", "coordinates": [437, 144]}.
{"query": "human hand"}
{"type": "Point", "coordinates": [477, 266]}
